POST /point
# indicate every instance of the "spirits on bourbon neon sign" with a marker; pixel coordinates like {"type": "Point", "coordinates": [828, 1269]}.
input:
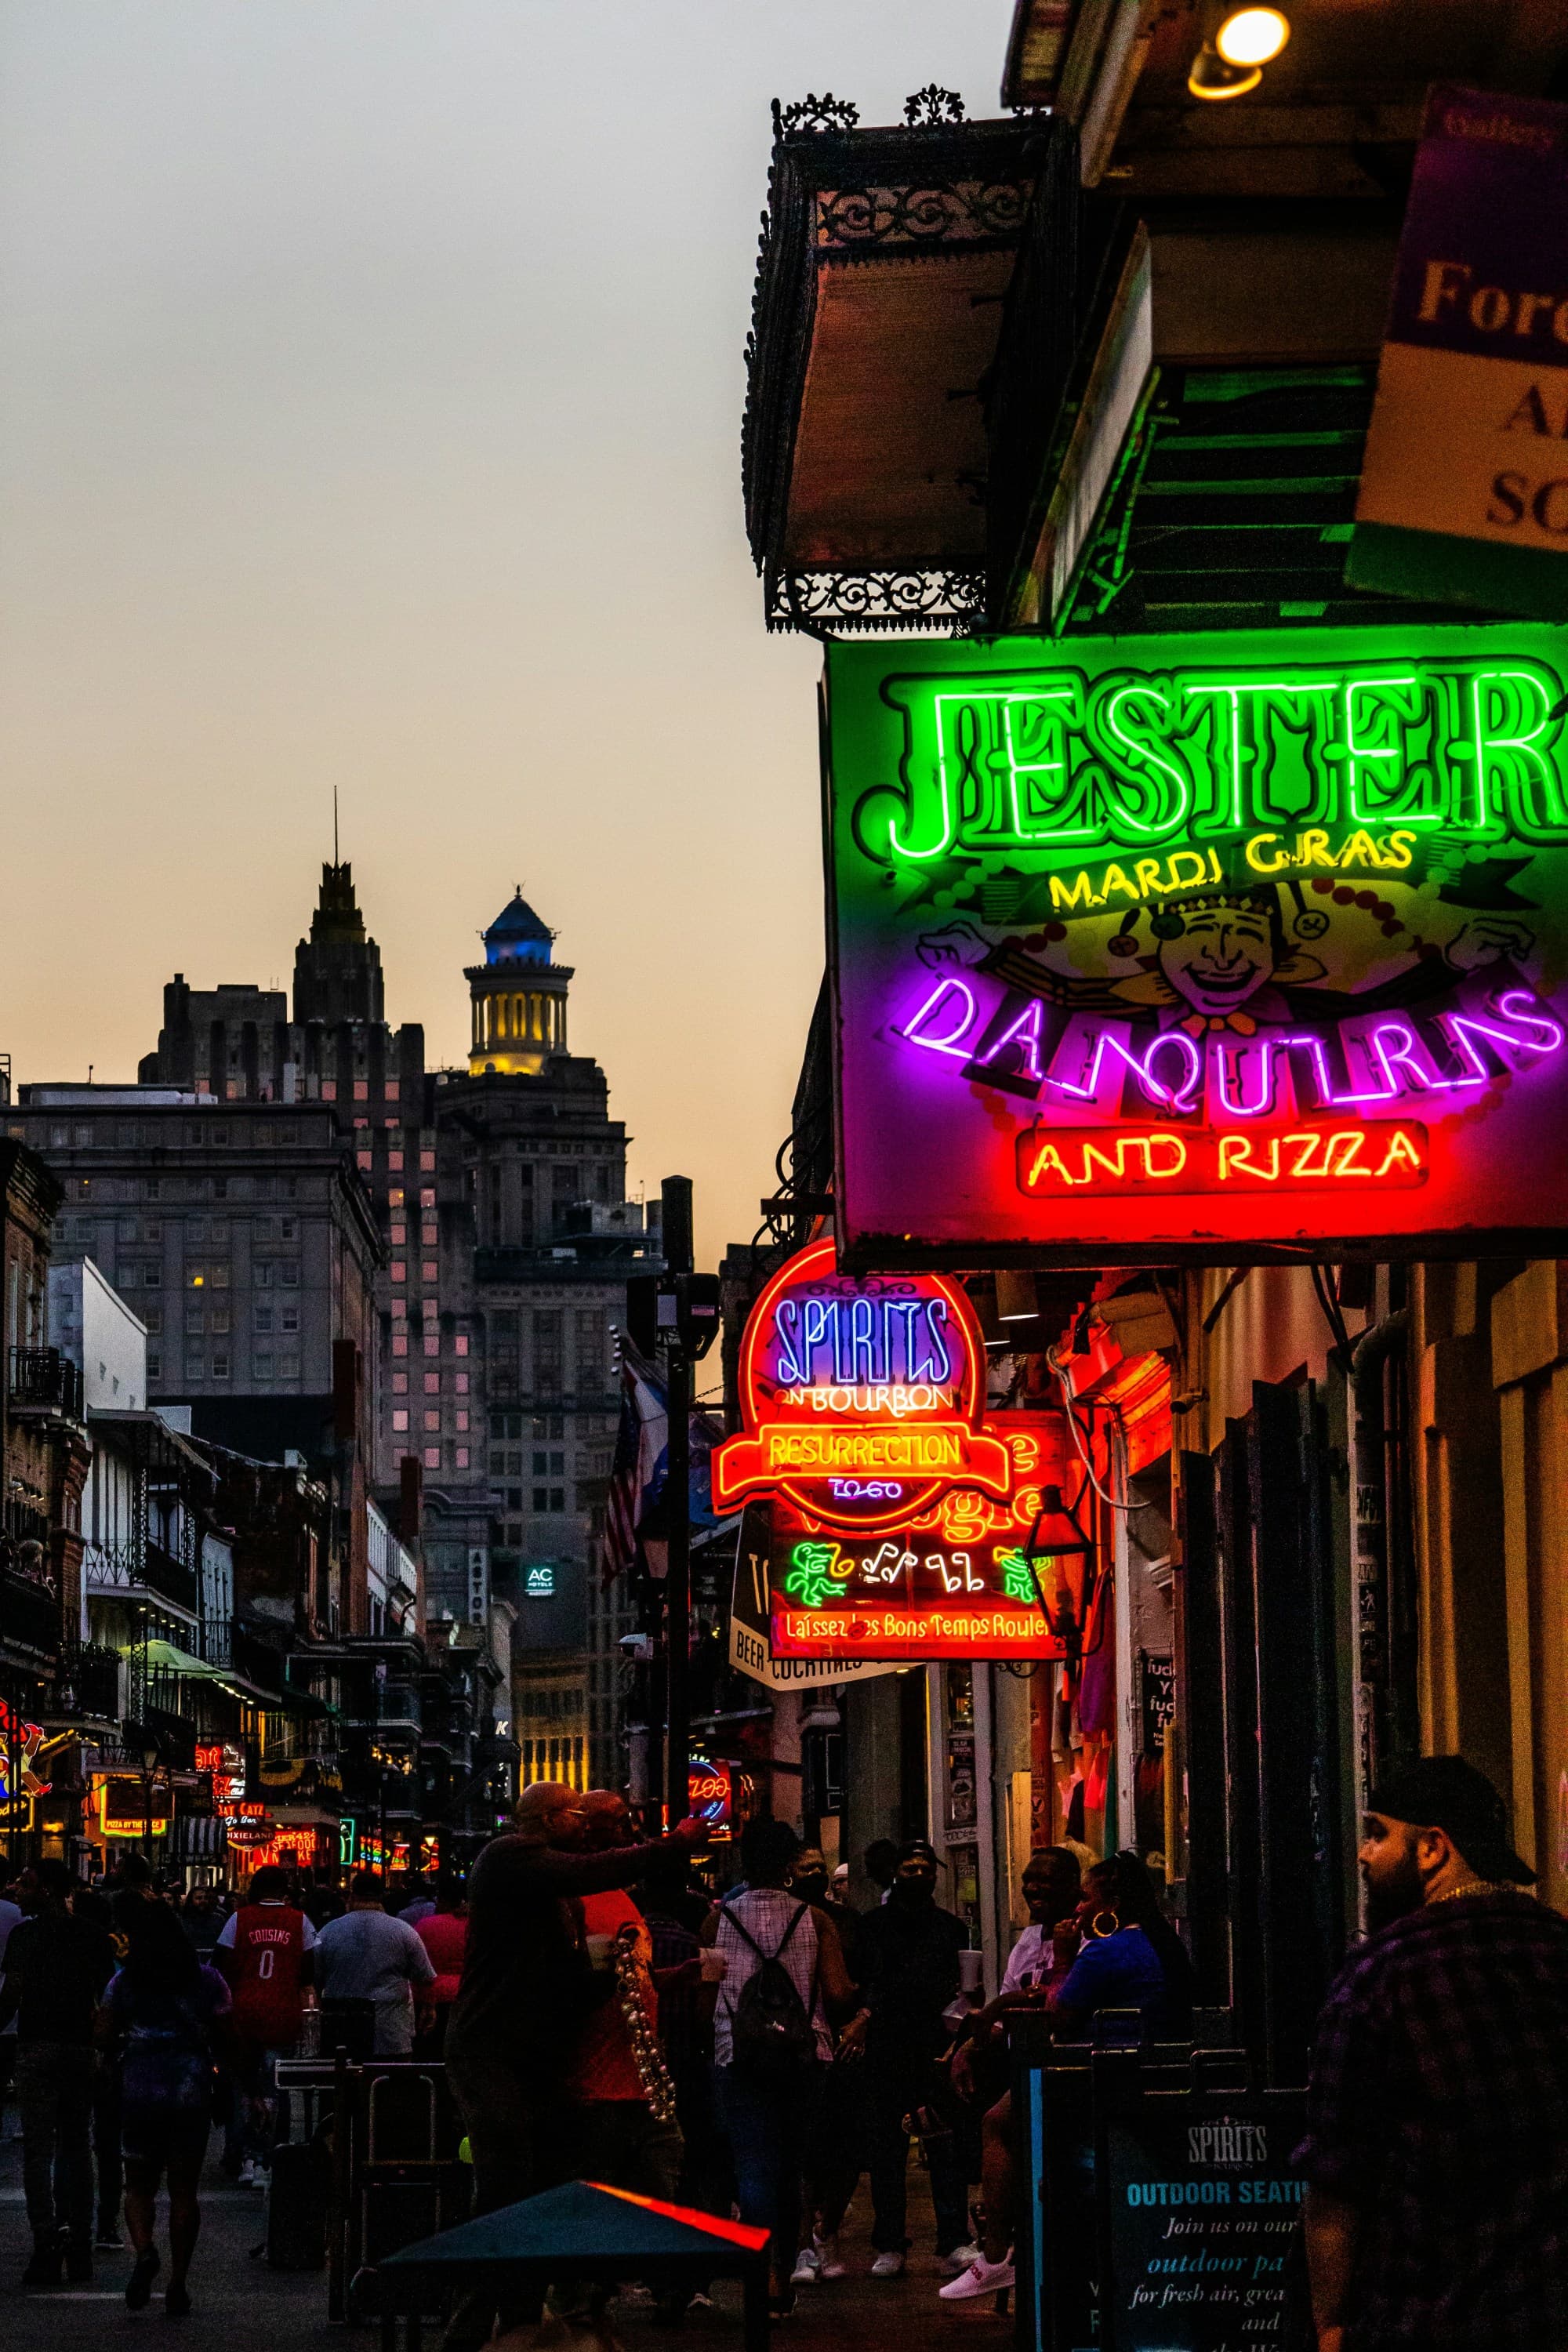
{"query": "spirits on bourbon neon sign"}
{"type": "Point", "coordinates": [861, 1402]}
{"type": "Point", "coordinates": [899, 1519]}
{"type": "Point", "coordinates": [1259, 918]}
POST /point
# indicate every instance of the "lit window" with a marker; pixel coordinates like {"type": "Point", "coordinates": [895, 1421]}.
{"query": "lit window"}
{"type": "Point", "coordinates": [391, 1090]}
{"type": "Point", "coordinates": [432, 1457]}
{"type": "Point", "coordinates": [429, 1308]}
{"type": "Point", "coordinates": [460, 1380]}
{"type": "Point", "coordinates": [429, 1235]}
{"type": "Point", "coordinates": [400, 1343]}
{"type": "Point", "coordinates": [399, 1235]}
{"type": "Point", "coordinates": [462, 1421]}
{"type": "Point", "coordinates": [432, 1343]}
{"type": "Point", "coordinates": [395, 1164]}
{"type": "Point", "coordinates": [427, 1192]}
{"type": "Point", "coordinates": [400, 1310]}
{"type": "Point", "coordinates": [400, 1384]}
{"type": "Point", "coordinates": [433, 1419]}
{"type": "Point", "coordinates": [329, 1089]}
{"type": "Point", "coordinates": [361, 1122]}
{"type": "Point", "coordinates": [462, 1457]}
{"type": "Point", "coordinates": [361, 1090]}
{"type": "Point", "coordinates": [394, 1197]}
{"type": "Point", "coordinates": [427, 1161]}
{"type": "Point", "coordinates": [432, 1383]}
{"type": "Point", "coordinates": [398, 1270]}
{"type": "Point", "coordinates": [461, 1347]}
{"type": "Point", "coordinates": [428, 1270]}
{"type": "Point", "coordinates": [400, 1418]}
{"type": "Point", "coordinates": [363, 1161]}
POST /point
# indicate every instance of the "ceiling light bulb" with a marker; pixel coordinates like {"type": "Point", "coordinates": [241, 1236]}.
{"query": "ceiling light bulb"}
{"type": "Point", "coordinates": [1251, 37]}
{"type": "Point", "coordinates": [1210, 76]}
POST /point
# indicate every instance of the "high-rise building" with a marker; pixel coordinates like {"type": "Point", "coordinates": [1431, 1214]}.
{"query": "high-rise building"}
{"type": "Point", "coordinates": [537, 1239]}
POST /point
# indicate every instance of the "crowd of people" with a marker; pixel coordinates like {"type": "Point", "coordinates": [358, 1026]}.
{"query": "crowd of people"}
{"type": "Point", "coordinates": [605, 2013]}
{"type": "Point", "coordinates": [133, 2017]}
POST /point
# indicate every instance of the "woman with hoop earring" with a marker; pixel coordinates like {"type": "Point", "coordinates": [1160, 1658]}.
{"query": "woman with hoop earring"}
{"type": "Point", "coordinates": [1129, 1956]}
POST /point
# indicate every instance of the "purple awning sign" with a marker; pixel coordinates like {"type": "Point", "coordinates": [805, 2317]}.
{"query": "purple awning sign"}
{"type": "Point", "coordinates": [1464, 489]}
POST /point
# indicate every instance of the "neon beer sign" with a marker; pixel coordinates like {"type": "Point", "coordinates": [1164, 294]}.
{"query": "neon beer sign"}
{"type": "Point", "coordinates": [900, 1516]}
{"type": "Point", "coordinates": [1279, 920]}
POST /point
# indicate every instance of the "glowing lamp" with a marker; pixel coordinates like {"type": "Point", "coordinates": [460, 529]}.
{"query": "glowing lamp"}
{"type": "Point", "coordinates": [1212, 76]}
{"type": "Point", "coordinates": [1252, 36]}
{"type": "Point", "coordinates": [1057, 1531]}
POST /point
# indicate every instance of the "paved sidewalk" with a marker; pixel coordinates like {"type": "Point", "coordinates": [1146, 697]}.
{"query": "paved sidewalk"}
{"type": "Point", "coordinates": [241, 2306]}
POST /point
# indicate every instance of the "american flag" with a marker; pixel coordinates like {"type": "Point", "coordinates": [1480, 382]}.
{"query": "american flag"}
{"type": "Point", "coordinates": [641, 1443]}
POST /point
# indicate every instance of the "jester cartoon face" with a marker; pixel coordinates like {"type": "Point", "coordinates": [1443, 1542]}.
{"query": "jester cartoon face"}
{"type": "Point", "coordinates": [1216, 953]}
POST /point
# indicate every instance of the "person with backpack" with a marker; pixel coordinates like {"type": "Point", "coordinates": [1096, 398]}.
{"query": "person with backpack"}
{"type": "Point", "coordinates": [784, 1975]}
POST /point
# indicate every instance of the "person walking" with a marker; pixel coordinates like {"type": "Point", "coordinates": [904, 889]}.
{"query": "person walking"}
{"type": "Point", "coordinates": [168, 2010]}
{"type": "Point", "coordinates": [908, 1949]}
{"type": "Point", "coordinates": [527, 1988]}
{"type": "Point", "coordinates": [108, 2170]}
{"type": "Point", "coordinates": [264, 1953]}
{"type": "Point", "coordinates": [10, 1917]}
{"type": "Point", "coordinates": [369, 1956]}
{"type": "Point", "coordinates": [837, 2155]}
{"type": "Point", "coordinates": [55, 1967]}
{"type": "Point", "coordinates": [771, 2042]}
{"type": "Point", "coordinates": [444, 1932]}
{"type": "Point", "coordinates": [201, 1920]}
{"type": "Point", "coordinates": [1436, 2147]}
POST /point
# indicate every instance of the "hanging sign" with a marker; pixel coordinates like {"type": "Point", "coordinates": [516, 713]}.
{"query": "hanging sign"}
{"type": "Point", "coordinates": [1201, 948]}
{"type": "Point", "coordinates": [899, 1514]}
{"type": "Point", "coordinates": [1464, 486]}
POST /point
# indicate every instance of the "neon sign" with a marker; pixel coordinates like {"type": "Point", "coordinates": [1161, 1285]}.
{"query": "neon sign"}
{"type": "Point", "coordinates": [895, 1502]}
{"type": "Point", "coordinates": [1279, 920]}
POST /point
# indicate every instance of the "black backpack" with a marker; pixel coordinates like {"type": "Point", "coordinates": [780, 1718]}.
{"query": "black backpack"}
{"type": "Point", "coordinates": [771, 2034]}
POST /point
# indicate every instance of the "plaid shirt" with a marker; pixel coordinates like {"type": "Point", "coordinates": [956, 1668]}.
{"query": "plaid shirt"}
{"type": "Point", "coordinates": [1438, 2107]}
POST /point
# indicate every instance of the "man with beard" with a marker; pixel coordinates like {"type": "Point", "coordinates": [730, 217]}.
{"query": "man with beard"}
{"type": "Point", "coordinates": [1436, 2151]}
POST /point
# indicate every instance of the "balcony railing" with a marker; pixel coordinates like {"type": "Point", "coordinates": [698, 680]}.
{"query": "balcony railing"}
{"type": "Point", "coordinates": [87, 1685]}
{"type": "Point", "coordinates": [29, 1614]}
{"type": "Point", "coordinates": [42, 1381]}
{"type": "Point", "coordinates": [23, 1522]}
{"type": "Point", "coordinates": [132, 1567]}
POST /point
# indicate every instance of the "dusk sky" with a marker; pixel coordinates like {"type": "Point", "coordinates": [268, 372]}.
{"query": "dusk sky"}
{"type": "Point", "coordinates": [370, 396]}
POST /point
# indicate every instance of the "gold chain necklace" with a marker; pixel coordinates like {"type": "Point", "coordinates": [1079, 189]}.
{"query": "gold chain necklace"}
{"type": "Point", "coordinates": [648, 2058]}
{"type": "Point", "coordinates": [1471, 1887]}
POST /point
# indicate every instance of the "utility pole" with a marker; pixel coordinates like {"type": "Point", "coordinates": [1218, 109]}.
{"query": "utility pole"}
{"type": "Point", "coordinates": [676, 1193]}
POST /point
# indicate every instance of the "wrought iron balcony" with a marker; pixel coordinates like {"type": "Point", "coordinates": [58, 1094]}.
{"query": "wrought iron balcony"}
{"type": "Point", "coordinates": [45, 1382]}
{"type": "Point", "coordinates": [86, 1685]}
{"type": "Point", "coordinates": [131, 1568]}
{"type": "Point", "coordinates": [29, 1616]}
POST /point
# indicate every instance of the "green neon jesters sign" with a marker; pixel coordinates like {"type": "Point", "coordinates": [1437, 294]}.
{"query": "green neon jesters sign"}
{"type": "Point", "coordinates": [1018, 761]}
{"type": "Point", "coordinates": [1146, 948]}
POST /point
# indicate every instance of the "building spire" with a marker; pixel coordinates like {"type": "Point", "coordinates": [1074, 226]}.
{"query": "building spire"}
{"type": "Point", "coordinates": [335, 859]}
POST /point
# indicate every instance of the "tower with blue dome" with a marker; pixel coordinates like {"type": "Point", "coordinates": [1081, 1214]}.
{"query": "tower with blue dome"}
{"type": "Point", "coordinates": [517, 995]}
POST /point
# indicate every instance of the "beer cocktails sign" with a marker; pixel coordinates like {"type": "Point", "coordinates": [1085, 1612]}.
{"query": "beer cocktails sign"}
{"type": "Point", "coordinates": [1206, 946]}
{"type": "Point", "coordinates": [900, 1517]}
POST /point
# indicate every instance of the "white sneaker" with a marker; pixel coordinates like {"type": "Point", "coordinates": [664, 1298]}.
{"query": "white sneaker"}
{"type": "Point", "coordinates": [889, 2265]}
{"type": "Point", "coordinates": [829, 2262]}
{"type": "Point", "coordinates": [958, 2258]}
{"type": "Point", "coordinates": [981, 2278]}
{"type": "Point", "coordinates": [807, 2267]}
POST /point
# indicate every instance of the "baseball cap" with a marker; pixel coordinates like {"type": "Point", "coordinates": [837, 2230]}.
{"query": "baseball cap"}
{"type": "Point", "coordinates": [1445, 1792]}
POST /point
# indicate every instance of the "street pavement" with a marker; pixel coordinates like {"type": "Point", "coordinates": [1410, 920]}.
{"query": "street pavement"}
{"type": "Point", "coordinates": [241, 2306]}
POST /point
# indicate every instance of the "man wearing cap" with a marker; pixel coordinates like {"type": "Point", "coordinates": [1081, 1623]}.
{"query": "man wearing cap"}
{"type": "Point", "coordinates": [1437, 2153]}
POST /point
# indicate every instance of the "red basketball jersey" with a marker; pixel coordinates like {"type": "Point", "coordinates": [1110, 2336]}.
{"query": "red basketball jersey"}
{"type": "Point", "coordinates": [265, 1973]}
